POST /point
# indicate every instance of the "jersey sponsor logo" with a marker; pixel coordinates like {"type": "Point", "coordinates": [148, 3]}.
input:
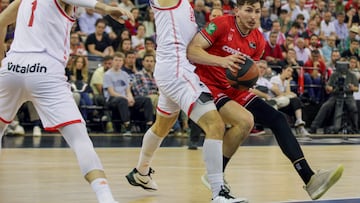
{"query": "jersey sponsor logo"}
{"type": "Point", "coordinates": [252, 45]}
{"type": "Point", "coordinates": [29, 68]}
{"type": "Point", "coordinates": [211, 28]}
{"type": "Point", "coordinates": [230, 50]}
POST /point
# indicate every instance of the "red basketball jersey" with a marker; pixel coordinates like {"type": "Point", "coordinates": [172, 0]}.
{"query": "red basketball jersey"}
{"type": "Point", "coordinates": [225, 38]}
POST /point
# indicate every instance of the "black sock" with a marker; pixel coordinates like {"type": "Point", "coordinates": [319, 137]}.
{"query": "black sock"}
{"type": "Point", "coordinates": [303, 169]}
{"type": "Point", "coordinates": [225, 162]}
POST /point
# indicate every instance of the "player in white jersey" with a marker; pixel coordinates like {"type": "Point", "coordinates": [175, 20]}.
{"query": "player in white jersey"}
{"type": "Point", "coordinates": [180, 89]}
{"type": "Point", "coordinates": [33, 70]}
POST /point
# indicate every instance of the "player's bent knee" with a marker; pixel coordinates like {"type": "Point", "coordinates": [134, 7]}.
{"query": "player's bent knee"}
{"type": "Point", "coordinates": [213, 125]}
{"type": "Point", "coordinates": [164, 123]}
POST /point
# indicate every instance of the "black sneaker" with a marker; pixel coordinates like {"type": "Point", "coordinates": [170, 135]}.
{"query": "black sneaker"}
{"type": "Point", "coordinates": [192, 145]}
{"type": "Point", "coordinates": [144, 181]}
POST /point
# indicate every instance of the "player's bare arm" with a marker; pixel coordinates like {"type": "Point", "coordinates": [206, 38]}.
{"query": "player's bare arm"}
{"type": "Point", "coordinates": [100, 7]}
{"type": "Point", "coordinates": [7, 17]}
{"type": "Point", "coordinates": [196, 52]}
{"type": "Point", "coordinates": [168, 3]}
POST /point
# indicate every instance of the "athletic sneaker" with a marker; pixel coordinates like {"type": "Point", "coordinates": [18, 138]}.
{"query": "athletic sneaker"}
{"type": "Point", "coordinates": [205, 181]}
{"type": "Point", "coordinates": [256, 132]}
{"type": "Point", "coordinates": [36, 131]}
{"type": "Point", "coordinates": [225, 197]}
{"type": "Point", "coordinates": [322, 180]}
{"type": "Point", "coordinates": [299, 122]}
{"type": "Point", "coordinates": [144, 181]}
{"type": "Point", "coordinates": [302, 132]}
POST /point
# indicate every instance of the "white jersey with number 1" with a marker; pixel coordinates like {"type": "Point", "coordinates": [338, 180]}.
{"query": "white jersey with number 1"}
{"type": "Point", "coordinates": [50, 34]}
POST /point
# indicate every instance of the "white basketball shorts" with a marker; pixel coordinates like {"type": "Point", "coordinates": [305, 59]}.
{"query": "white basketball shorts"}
{"type": "Point", "coordinates": [39, 78]}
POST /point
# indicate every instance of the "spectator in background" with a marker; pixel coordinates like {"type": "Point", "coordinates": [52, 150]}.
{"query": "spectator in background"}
{"type": "Point", "coordinates": [294, 30]}
{"type": "Point", "coordinates": [76, 46]}
{"type": "Point", "coordinates": [302, 52]}
{"type": "Point", "coordinates": [201, 13]}
{"type": "Point", "coordinates": [311, 29]}
{"type": "Point", "coordinates": [273, 52]}
{"type": "Point", "coordinates": [119, 98]}
{"type": "Point", "coordinates": [289, 44]}
{"type": "Point", "coordinates": [276, 27]}
{"type": "Point", "coordinates": [300, 9]}
{"type": "Point", "coordinates": [144, 82]}
{"type": "Point", "coordinates": [116, 23]}
{"type": "Point", "coordinates": [353, 50]}
{"type": "Point", "coordinates": [327, 27]}
{"type": "Point", "coordinates": [275, 10]}
{"type": "Point", "coordinates": [87, 21]}
{"type": "Point", "coordinates": [265, 20]}
{"type": "Point", "coordinates": [291, 61]}
{"type": "Point", "coordinates": [330, 65]}
{"type": "Point", "coordinates": [99, 43]}
{"type": "Point", "coordinates": [300, 19]}
{"type": "Point", "coordinates": [341, 28]}
{"type": "Point", "coordinates": [125, 45]}
{"type": "Point", "coordinates": [354, 66]}
{"type": "Point", "coordinates": [138, 40]}
{"type": "Point", "coordinates": [228, 6]}
{"type": "Point", "coordinates": [285, 20]}
{"type": "Point", "coordinates": [339, 93]}
{"type": "Point", "coordinates": [132, 24]}
{"type": "Point", "coordinates": [281, 87]}
{"type": "Point", "coordinates": [328, 47]}
{"type": "Point", "coordinates": [149, 48]}
{"type": "Point", "coordinates": [351, 18]}
{"type": "Point", "coordinates": [217, 4]}
{"type": "Point", "coordinates": [315, 43]}
{"type": "Point", "coordinates": [129, 64]}
{"type": "Point", "coordinates": [79, 84]}
{"type": "Point", "coordinates": [345, 44]}
{"type": "Point", "coordinates": [290, 6]}
{"type": "Point", "coordinates": [339, 6]}
{"type": "Point", "coordinates": [315, 70]}
{"type": "Point", "coordinates": [97, 80]}
{"type": "Point", "coordinates": [149, 23]}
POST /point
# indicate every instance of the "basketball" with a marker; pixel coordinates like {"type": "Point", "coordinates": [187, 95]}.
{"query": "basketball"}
{"type": "Point", "coordinates": [245, 77]}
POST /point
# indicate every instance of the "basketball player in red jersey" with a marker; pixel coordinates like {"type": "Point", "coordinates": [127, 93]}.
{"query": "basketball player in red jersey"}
{"type": "Point", "coordinates": [33, 70]}
{"type": "Point", "coordinates": [224, 43]}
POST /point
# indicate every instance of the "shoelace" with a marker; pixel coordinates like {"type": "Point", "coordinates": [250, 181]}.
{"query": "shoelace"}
{"type": "Point", "coordinates": [225, 192]}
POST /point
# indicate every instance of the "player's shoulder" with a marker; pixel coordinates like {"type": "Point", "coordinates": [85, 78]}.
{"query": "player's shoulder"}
{"type": "Point", "coordinates": [224, 20]}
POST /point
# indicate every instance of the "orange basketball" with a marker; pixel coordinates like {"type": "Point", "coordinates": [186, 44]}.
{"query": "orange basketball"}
{"type": "Point", "coordinates": [245, 77]}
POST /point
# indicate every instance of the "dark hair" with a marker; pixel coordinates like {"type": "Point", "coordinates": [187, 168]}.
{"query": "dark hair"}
{"type": "Point", "coordinates": [148, 55]}
{"type": "Point", "coordinates": [283, 11]}
{"type": "Point", "coordinates": [100, 20]}
{"type": "Point", "coordinates": [149, 39]}
{"type": "Point", "coordinates": [108, 57]}
{"type": "Point", "coordinates": [240, 3]}
{"type": "Point", "coordinates": [296, 25]}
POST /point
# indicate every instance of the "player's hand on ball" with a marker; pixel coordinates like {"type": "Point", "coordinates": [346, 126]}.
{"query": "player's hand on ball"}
{"type": "Point", "coordinates": [232, 62]}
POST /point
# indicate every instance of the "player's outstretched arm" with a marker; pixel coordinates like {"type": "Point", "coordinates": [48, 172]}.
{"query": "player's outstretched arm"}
{"type": "Point", "coordinates": [100, 7]}
{"type": "Point", "coordinates": [7, 17]}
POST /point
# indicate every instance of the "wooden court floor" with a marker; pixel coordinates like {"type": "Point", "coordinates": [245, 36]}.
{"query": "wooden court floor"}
{"type": "Point", "coordinates": [260, 173]}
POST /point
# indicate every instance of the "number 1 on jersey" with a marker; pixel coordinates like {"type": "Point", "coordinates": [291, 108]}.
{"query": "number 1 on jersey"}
{"type": "Point", "coordinates": [31, 20]}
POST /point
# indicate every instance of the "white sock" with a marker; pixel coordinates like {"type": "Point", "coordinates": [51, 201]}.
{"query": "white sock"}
{"type": "Point", "coordinates": [150, 144]}
{"type": "Point", "coordinates": [102, 190]}
{"type": "Point", "coordinates": [212, 152]}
